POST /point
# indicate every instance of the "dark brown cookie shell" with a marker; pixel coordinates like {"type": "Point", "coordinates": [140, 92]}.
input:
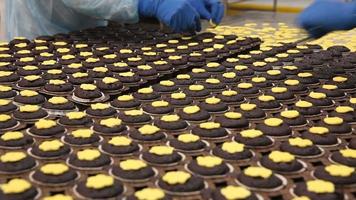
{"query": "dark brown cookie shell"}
{"type": "Point", "coordinates": [120, 150]}
{"type": "Point", "coordinates": [269, 183]}
{"type": "Point", "coordinates": [107, 192]}
{"type": "Point", "coordinates": [57, 130]}
{"type": "Point", "coordinates": [30, 116]}
{"type": "Point", "coordinates": [327, 139]}
{"type": "Point", "coordinates": [199, 116]}
{"type": "Point", "coordinates": [171, 126]}
{"type": "Point", "coordinates": [257, 142]}
{"type": "Point", "coordinates": [61, 152]}
{"type": "Point", "coordinates": [31, 193]}
{"type": "Point", "coordinates": [194, 184]}
{"type": "Point", "coordinates": [238, 156]}
{"type": "Point", "coordinates": [289, 167]}
{"type": "Point", "coordinates": [218, 170]}
{"type": "Point", "coordinates": [321, 173]}
{"type": "Point", "coordinates": [134, 175]}
{"type": "Point", "coordinates": [99, 162]}
{"type": "Point", "coordinates": [66, 177]}
{"type": "Point", "coordinates": [186, 147]}
{"type": "Point", "coordinates": [18, 166]}
{"type": "Point", "coordinates": [161, 160]}
{"type": "Point", "coordinates": [134, 119]}
{"type": "Point", "coordinates": [85, 121]}
{"type": "Point", "coordinates": [339, 158]}
{"type": "Point", "coordinates": [301, 190]}
{"type": "Point", "coordinates": [232, 123]}
{"type": "Point", "coordinates": [309, 151]}
{"type": "Point", "coordinates": [279, 131]}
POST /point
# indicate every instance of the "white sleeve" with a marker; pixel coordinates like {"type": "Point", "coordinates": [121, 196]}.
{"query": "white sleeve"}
{"type": "Point", "coordinates": [116, 10]}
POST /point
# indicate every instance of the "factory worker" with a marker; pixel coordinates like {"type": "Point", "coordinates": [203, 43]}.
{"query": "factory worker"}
{"type": "Point", "coordinates": [324, 16]}
{"type": "Point", "coordinates": [31, 18]}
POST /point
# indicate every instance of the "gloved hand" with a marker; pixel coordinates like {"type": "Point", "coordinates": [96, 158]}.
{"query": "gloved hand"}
{"type": "Point", "coordinates": [179, 15]}
{"type": "Point", "coordinates": [209, 9]}
{"type": "Point", "coordinates": [328, 15]}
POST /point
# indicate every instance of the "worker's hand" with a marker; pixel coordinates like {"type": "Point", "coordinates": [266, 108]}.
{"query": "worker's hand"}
{"type": "Point", "coordinates": [325, 16]}
{"type": "Point", "coordinates": [209, 9]}
{"type": "Point", "coordinates": [179, 15]}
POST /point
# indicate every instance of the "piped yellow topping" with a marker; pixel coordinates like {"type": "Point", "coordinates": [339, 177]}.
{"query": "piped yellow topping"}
{"type": "Point", "coordinates": [147, 90]}
{"type": "Point", "coordinates": [99, 106]}
{"type": "Point", "coordinates": [51, 145]}
{"type": "Point", "coordinates": [273, 122]}
{"type": "Point", "coordinates": [133, 112]}
{"type": "Point", "coordinates": [300, 142]}
{"type": "Point", "coordinates": [150, 194]}
{"type": "Point", "coordinates": [212, 100]}
{"type": "Point", "coordinates": [28, 93]}
{"type": "Point", "coordinates": [148, 129]}
{"type": "Point", "coordinates": [99, 181]}
{"type": "Point", "coordinates": [12, 135]}
{"type": "Point", "coordinates": [209, 125]}
{"type": "Point", "coordinates": [161, 150]}
{"type": "Point", "coordinates": [229, 93]}
{"type": "Point", "coordinates": [317, 95]}
{"type": "Point", "coordinates": [88, 87]}
{"type": "Point", "coordinates": [132, 164]}
{"type": "Point", "coordinates": [319, 130]}
{"type": "Point", "coordinates": [15, 186]}
{"type": "Point", "coordinates": [120, 141]}
{"type": "Point", "coordinates": [12, 156]}
{"type": "Point", "coordinates": [290, 114]}
{"type": "Point", "coordinates": [258, 172]}
{"type": "Point", "coordinates": [4, 117]}
{"type": "Point", "coordinates": [344, 109]}
{"type": "Point", "coordinates": [188, 138]}
{"type": "Point", "coordinates": [303, 104]}
{"type": "Point", "coordinates": [209, 161]}
{"type": "Point", "coordinates": [191, 109]}
{"type": "Point", "coordinates": [291, 82]}
{"type": "Point", "coordinates": [88, 154]}
{"type": "Point", "coordinates": [170, 118]}
{"type": "Point", "coordinates": [29, 108]}
{"type": "Point", "coordinates": [247, 106]}
{"type": "Point", "coordinates": [232, 147]}
{"type": "Point", "coordinates": [160, 103]}
{"type": "Point", "coordinates": [58, 100]}
{"type": "Point", "coordinates": [176, 177]}
{"type": "Point", "coordinates": [233, 115]}
{"type": "Point", "coordinates": [235, 192]}
{"type": "Point", "coordinates": [281, 157]}
{"type": "Point", "coordinates": [251, 133]}
{"type": "Point", "coordinates": [339, 170]}
{"type": "Point", "coordinates": [54, 168]}
{"type": "Point", "coordinates": [125, 98]}
{"type": "Point", "coordinates": [266, 98]}
{"type": "Point", "coordinates": [279, 89]}
{"type": "Point", "coordinates": [58, 197]}
{"type": "Point", "coordinates": [167, 83]}
{"type": "Point", "coordinates": [82, 133]}
{"type": "Point", "coordinates": [45, 124]}
{"type": "Point", "coordinates": [75, 115]}
{"type": "Point", "coordinates": [320, 186]}
{"type": "Point", "coordinates": [110, 122]}
{"type": "Point", "coordinates": [333, 120]}
{"type": "Point", "coordinates": [110, 80]}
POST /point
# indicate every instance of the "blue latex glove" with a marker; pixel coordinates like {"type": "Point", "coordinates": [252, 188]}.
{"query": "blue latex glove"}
{"type": "Point", "coordinates": [325, 16]}
{"type": "Point", "coordinates": [209, 9]}
{"type": "Point", "coordinates": [179, 15]}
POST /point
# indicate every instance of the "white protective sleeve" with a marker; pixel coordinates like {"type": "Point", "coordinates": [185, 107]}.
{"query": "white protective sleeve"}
{"type": "Point", "coordinates": [31, 18]}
